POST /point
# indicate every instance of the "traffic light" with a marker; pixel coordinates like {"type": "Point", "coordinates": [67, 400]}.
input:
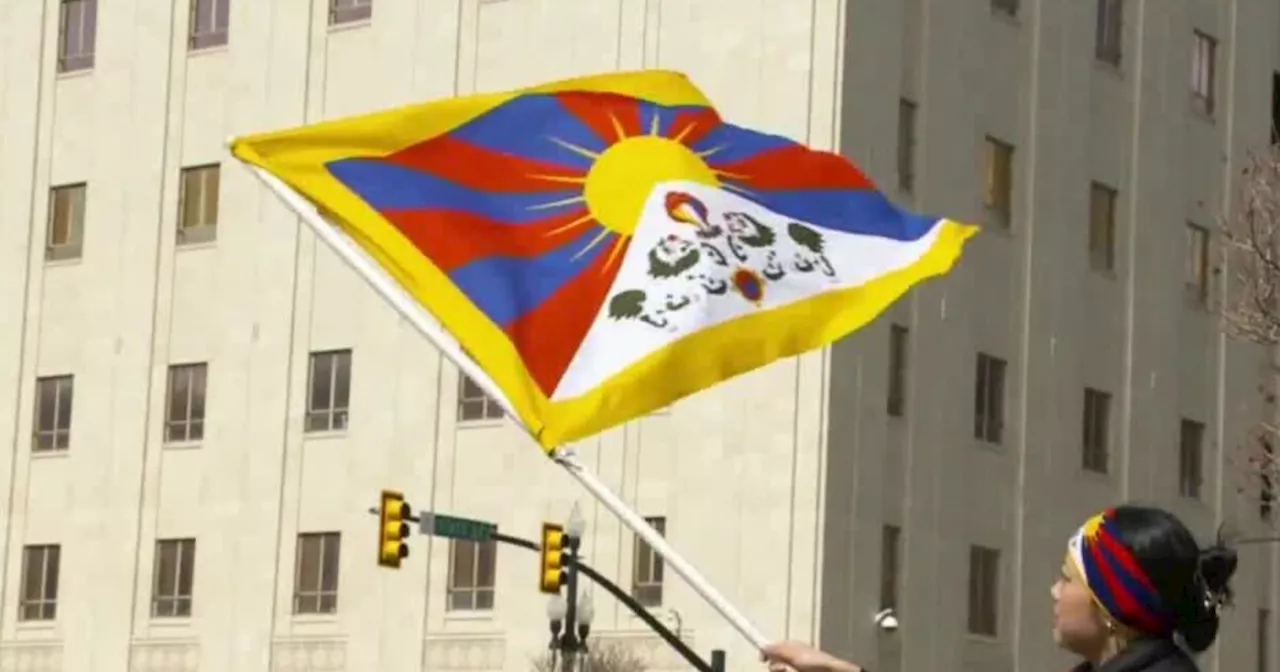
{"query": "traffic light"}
{"type": "Point", "coordinates": [392, 530]}
{"type": "Point", "coordinates": [552, 560]}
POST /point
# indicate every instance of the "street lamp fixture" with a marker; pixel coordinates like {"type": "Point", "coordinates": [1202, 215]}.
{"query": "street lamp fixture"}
{"type": "Point", "coordinates": [887, 619]}
{"type": "Point", "coordinates": [586, 612]}
{"type": "Point", "coordinates": [556, 609]}
{"type": "Point", "coordinates": [576, 526]}
{"type": "Point", "coordinates": [570, 616]}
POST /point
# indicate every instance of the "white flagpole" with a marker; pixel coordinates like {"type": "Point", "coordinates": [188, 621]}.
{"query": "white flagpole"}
{"type": "Point", "coordinates": [566, 459]}
{"type": "Point", "coordinates": [368, 269]}
{"type": "Point", "coordinates": [431, 328]}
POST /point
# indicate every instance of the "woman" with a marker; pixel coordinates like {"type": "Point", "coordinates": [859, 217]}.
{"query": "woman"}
{"type": "Point", "coordinates": [1136, 593]}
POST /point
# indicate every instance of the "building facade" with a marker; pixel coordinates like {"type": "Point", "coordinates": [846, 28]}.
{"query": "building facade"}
{"type": "Point", "coordinates": [202, 402]}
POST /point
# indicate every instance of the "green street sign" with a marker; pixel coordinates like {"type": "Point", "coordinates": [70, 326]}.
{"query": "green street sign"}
{"type": "Point", "coordinates": [452, 527]}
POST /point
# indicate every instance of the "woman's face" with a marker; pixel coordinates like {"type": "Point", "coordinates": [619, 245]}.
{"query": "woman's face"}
{"type": "Point", "coordinates": [1078, 624]}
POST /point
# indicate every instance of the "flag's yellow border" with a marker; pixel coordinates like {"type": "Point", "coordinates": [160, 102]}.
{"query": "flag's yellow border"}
{"type": "Point", "coordinates": [701, 360]}
{"type": "Point", "coordinates": [706, 358]}
{"type": "Point", "coordinates": [298, 156]}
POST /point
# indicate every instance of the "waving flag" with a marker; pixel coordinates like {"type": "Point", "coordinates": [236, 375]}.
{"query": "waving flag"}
{"type": "Point", "coordinates": [605, 246]}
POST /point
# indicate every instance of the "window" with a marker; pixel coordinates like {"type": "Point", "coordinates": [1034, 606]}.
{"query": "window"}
{"type": "Point", "coordinates": [329, 391]}
{"type": "Point", "coordinates": [315, 574]}
{"type": "Point", "coordinates": [64, 238]}
{"type": "Point", "coordinates": [53, 413]}
{"type": "Point", "coordinates": [184, 412]}
{"type": "Point", "coordinates": [349, 11]}
{"type": "Point", "coordinates": [39, 601]}
{"type": "Point", "coordinates": [906, 145]}
{"type": "Point", "coordinates": [1109, 30]}
{"type": "Point", "coordinates": [984, 590]}
{"type": "Point", "coordinates": [1264, 634]}
{"type": "Point", "coordinates": [198, 205]}
{"type": "Point", "coordinates": [1097, 430]}
{"type": "Point", "coordinates": [988, 399]}
{"type": "Point", "coordinates": [999, 193]}
{"type": "Point", "coordinates": [646, 568]}
{"type": "Point", "coordinates": [473, 403]}
{"type": "Point", "coordinates": [1204, 58]}
{"type": "Point", "coordinates": [897, 401]}
{"type": "Point", "coordinates": [175, 567]}
{"type": "Point", "coordinates": [1009, 7]}
{"type": "Point", "coordinates": [1190, 459]}
{"type": "Point", "coordinates": [209, 20]}
{"type": "Point", "coordinates": [1102, 227]}
{"type": "Point", "coordinates": [1197, 282]}
{"type": "Point", "coordinates": [77, 31]}
{"type": "Point", "coordinates": [472, 571]}
{"type": "Point", "coordinates": [890, 546]}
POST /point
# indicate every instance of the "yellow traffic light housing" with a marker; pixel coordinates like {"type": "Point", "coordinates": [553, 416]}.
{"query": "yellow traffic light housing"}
{"type": "Point", "coordinates": [392, 529]}
{"type": "Point", "coordinates": [551, 576]}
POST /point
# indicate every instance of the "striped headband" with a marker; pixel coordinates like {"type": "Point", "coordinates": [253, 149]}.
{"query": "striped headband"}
{"type": "Point", "coordinates": [1118, 584]}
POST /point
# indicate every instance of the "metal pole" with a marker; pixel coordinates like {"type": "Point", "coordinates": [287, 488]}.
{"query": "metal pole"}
{"type": "Point", "coordinates": [674, 560]}
{"type": "Point", "coordinates": [672, 639]}
{"type": "Point", "coordinates": [429, 326]}
{"type": "Point", "coordinates": [717, 660]}
{"type": "Point", "coordinates": [569, 640]}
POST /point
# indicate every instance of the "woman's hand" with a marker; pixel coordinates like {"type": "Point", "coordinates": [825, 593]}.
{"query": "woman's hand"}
{"type": "Point", "coordinates": [798, 657]}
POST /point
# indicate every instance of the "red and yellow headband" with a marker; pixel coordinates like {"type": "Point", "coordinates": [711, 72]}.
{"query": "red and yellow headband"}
{"type": "Point", "coordinates": [1119, 584]}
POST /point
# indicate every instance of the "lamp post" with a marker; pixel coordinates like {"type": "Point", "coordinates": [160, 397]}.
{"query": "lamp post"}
{"type": "Point", "coordinates": [570, 616]}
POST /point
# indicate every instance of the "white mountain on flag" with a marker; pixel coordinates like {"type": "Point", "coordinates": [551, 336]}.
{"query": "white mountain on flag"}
{"type": "Point", "coordinates": [703, 256]}
{"type": "Point", "coordinates": [733, 257]}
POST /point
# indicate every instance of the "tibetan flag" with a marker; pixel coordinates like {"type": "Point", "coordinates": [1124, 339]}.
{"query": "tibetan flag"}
{"type": "Point", "coordinates": [605, 246]}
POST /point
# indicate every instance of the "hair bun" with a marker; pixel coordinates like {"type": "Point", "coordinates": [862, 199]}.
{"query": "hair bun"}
{"type": "Point", "coordinates": [1209, 594]}
{"type": "Point", "coordinates": [1215, 568]}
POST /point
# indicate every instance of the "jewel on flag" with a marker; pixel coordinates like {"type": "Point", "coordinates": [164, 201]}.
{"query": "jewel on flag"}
{"type": "Point", "coordinates": [605, 246]}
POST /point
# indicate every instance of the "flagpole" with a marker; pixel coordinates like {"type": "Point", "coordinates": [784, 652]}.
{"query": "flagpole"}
{"type": "Point", "coordinates": [566, 459]}
{"type": "Point", "coordinates": [368, 269]}
{"type": "Point", "coordinates": [428, 326]}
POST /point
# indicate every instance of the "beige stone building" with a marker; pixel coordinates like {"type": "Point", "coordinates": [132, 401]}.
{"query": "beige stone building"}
{"type": "Point", "coordinates": [200, 402]}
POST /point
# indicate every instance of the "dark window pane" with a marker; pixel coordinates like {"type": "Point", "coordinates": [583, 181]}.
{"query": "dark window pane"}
{"type": "Point", "coordinates": [202, 16]}
{"type": "Point", "coordinates": [90, 32]}
{"type": "Point", "coordinates": [222, 14]}
{"type": "Point", "coordinates": [464, 562]}
{"type": "Point", "coordinates": [486, 565]}
{"type": "Point", "coordinates": [212, 179]}
{"type": "Point", "coordinates": [52, 570]}
{"type": "Point", "coordinates": [47, 406]}
{"type": "Point", "coordinates": [308, 564]}
{"type": "Point", "coordinates": [186, 568]}
{"type": "Point", "coordinates": [32, 574]}
{"type": "Point", "coordinates": [321, 377]}
{"type": "Point", "coordinates": [190, 199]}
{"type": "Point", "coordinates": [471, 390]}
{"type": "Point", "coordinates": [166, 569]}
{"type": "Point", "coordinates": [71, 28]}
{"type": "Point", "coordinates": [179, 395]}
{"type": "Point", "coordinates": [65, 391]}
{"type": "Point", "coordinates": [332, 545]}
{"type": "Point", "coordinates": [342, 380]}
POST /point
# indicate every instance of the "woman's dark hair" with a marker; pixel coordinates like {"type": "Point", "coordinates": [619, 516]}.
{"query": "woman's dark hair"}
{"type": "Point", "coordinates": [1193, 581]}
